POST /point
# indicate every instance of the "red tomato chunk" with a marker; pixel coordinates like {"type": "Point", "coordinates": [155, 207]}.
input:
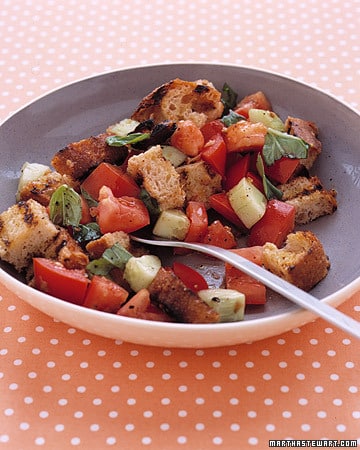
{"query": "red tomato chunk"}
{"type": "Point", "coordinates": [105, 295]}
{"type": "Point", "coordinates": [54, 279]}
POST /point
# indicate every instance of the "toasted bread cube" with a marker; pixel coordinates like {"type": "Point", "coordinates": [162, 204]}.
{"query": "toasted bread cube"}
{"type": "Point", "coordinates": [302, 261]}
{"type": "Point", "coordinates": [78, 158]}
{"type": "Point", "coordinates": [309, 198]}
{"type": "Point", "coordinates": [176, 100]}
{"type": "Point", "coordinates": [25, 231]}
{"type": "Point", "coordinates": [158, 176]}
{"type": "Point", "coordinates": [199, 181]}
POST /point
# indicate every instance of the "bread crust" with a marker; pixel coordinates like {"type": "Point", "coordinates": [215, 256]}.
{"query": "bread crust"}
{"type": "Point", "coordinates": [26, 231]}
{"type": "Point", "coordinates": [170, 294]}
{"type": "Point", "coordinates": [78, 158]}
{"type": "Point", "coordinates": [158, 176]}
{"type": "Point", "coordinates": [302, 261]}
{"type": "Point", "coordinates": [178, 100]}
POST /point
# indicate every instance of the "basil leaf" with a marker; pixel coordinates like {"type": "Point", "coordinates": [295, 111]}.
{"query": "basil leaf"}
{"type": "Point", "coordinates": [228, 98]}
{"type": "Point", "coordinates": [115, 256]}
{"type": "Point", "coordinates": [99, 267]}
{"type": "Point", "coordinates": [65, 207]}
{"type": "Point", "coordinates": [86, 233]}
{"type": "Point", "coordinates": [279, 144]}
{"type": "Point", "coordinates": [89, 199]}
{"type": "Point", "coordinates": [232, 118]}
{"type": "Point", "coordinates": [150, 203]}
{"type": "Point", "coordinates": [270, 190]}
{"type": "Point", "coordinates": [132, 138]}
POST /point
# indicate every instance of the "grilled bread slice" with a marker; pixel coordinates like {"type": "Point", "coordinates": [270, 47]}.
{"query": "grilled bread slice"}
{"type": "Point", "coordinates": [302, 261]}
{"type": "Point", "coordinates": [309, 198]}
{"type": "Point", "coordinates": [78, 158]}
{"type": "Point", "coordinates": [170, 294]}
{"type": "Point", "coordinates": [178, 100]}
{"type": "Point", "coordinates": [199, 181]}
{"type": "Point", "coordinates": [25, 231]}
{"type": "Point", "coordinates": [158, 176]}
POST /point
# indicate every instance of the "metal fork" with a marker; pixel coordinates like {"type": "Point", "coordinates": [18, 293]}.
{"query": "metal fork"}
{"type": "Point", "coordinates": [286, 289]}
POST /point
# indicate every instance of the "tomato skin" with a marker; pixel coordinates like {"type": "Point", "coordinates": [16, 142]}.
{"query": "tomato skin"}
{"type": "Point", "coordinates": [54, 279]}
{"type": "Point", "coordinates": [236, 171]}
{"type": "Point", "coordinates": [104, 295]}
{"type": "Point", "coordinates": [256, 181]}
{"type": "Point", "coordinates": [256, 100]}
{"type": "Point", "coordinates": [187, 138]}
{"type": "Point", "coordinates": [85, 212]}
{"type": "Point", "coordinates": [113, 177]}
{"type": "Point", "coordinates": [277, 222]}
{"type": "Point", "coordinates": [244, 136]}
{"type": "Point", "coordinates": [220, 203]}
{"type": "Point", "coordinates": [211, 128]}
{"type": "Point", "coordinates": [125, 213]}
{"type": "Point", "coordinates": [140, 307]}
{"type": "Point", "coordinates": [197, 214]}
{"type": "Point", "coordinates": [220, 235]}
{"type": "Point", "coordinates": [214, 153]}
{"type": "Point", "coordinates": [254, 290]}
{"type": "Point", "coordinates": [190, 277]}
{"type": "Point", "coordinates": [282, 169]}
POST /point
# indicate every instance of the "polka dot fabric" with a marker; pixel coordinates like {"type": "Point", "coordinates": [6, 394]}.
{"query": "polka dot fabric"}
{"type": "Point", "coordinates": [62, 388]}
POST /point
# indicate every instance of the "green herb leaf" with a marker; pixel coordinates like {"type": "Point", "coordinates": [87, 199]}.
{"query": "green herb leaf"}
{"type": "Point", "coordinates": [232, 118]}
{"type": "Point", "coordinates": [279, 144]}
{"type": "Point", "coordinates": [117, 255]}
{"type": "Point", "coordinates": [99, 267]}
{"type": "Point", "coordinates": [132, 138]}
{"type": "Point", "coordinates": [229, 98]}
{"type": "Point", "coordinates": [86, 233]}
{"type": "Point", "coordinates": [270, 190]}
{"type": "Point", "coordinates": [89, 199]}
{"type": "Point", "coordinates": [150, 203]}
{"type": "Point", "coordinates": [65, 206]}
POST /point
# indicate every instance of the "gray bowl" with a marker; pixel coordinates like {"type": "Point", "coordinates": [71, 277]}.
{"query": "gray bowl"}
{"type": "Point", "coordinates": [87, 107]}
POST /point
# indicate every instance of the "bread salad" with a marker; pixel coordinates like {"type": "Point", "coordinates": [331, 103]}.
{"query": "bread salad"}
{"type": "Point", "coordinates": [192, 163]}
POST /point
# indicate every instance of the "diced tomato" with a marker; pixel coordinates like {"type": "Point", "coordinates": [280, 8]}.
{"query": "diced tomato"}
{"type": "Point", "coordinates": [197, 214]}
{"type": "Point", "coordinates": [125, 213]}
{"type": "Point", "coordinates": [140, 307]}
{"type": "Point", "coordinates": [254, 290]}
{"type": "Point", "coordinates": [190, 277]}
{"type": "Point", "coordinates": [277, 222]}
{"type": "Point", "coordinates": [105, 295]}
{"type": "Point", "coordinates": [220, 203]}
{"type": "Point", "coordinates": [220, 235]}
{"type": "Point", "coordinates": [188, 138]}
{"type": "Point", "coordinates": [54, 279]}
{"type": "Point", "coordinates": [257, 100]}
{"type": "Point", "coordinates": [256, 180]}
{"type": "Point", "coordinates": [137, 304]}
{"type": "Point", "coordinates": [236, 171]}
{"type": "Point", "coordinates": [244, 136]}
{"type": "Point", "coordinates": [282, 169]}
{"type": "Point", "coordinates": [214, 153]}
{"type": "Point", "coordinates": [114, 177]}
{"type": "Point", "coordinates": [211, 128]}
{"type": "Point", "coordinates": [85, 212]}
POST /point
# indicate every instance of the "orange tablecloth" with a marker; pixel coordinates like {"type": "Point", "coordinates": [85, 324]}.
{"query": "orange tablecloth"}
{"type": "Point", "coordinates": [62, 388]}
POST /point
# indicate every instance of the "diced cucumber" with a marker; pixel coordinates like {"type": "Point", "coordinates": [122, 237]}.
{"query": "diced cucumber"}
{"type": "Point", "coordinates": [172, 224]}
{"type": "Point", "coordinates": [229, 303]}
{"type": "Point", "coordinates": [140, 271]}
{"type": "Point", "coordinates": [268, 118]}
{"type": "Point", "coordinates": [247, 201]}
{"type": "Point", "coordinates": [30, 172]}
{"type": "Point", "coordinates": [123, 127]}
{"type": "Point", "coordinates": [174, 155]}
